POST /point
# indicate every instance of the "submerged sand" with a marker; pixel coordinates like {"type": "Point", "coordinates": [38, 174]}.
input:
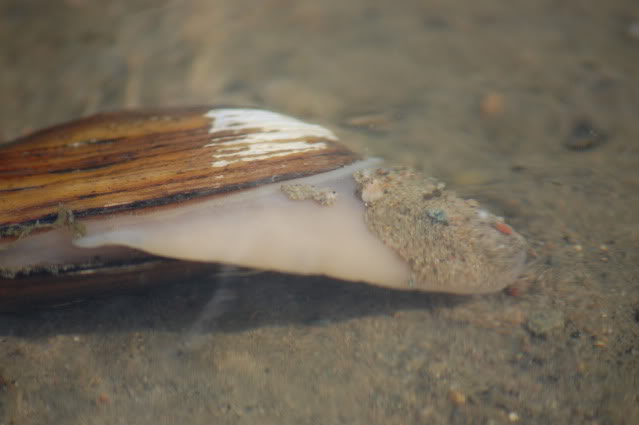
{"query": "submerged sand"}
{"type": "Point", "coordinates": [527, 106]}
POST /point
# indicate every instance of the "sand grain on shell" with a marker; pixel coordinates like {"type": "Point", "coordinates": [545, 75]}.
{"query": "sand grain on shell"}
{"type": "Point", "coordinates": [307, 192]}
{"type": "Point", "coordinates": [450, 243]}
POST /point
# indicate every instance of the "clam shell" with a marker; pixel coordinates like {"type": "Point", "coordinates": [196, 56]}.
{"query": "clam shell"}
{"type": "Point", "coordinates": [128, 199]}
{"type": "Point", "coordinates": [125, 161]}
{"type": "Point", "coordinates": [132, 162]}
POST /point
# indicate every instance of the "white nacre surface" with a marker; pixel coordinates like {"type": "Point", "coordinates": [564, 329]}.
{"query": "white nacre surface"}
{"type": "Point", "coordinates": [262, 228]}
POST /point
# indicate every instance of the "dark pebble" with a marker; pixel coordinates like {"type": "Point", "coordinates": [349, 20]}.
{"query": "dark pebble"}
{"type": "Point", "coordinates": [437, 216]}
{"type": "Point", "coordinates": [585, 136]}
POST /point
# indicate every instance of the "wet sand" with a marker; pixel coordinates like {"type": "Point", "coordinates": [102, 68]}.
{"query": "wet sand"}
{"type": "Point", "coordinates": [529, 107]}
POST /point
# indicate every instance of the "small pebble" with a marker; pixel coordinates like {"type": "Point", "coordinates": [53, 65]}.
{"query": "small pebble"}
{"type": "Point", "coordinates": [372, 191]}
{"type": "Point", "coordinates": [457, 397]}
{"type": "Point", "coordinates": [585, 136]}
{"type": "Point", "coordinates": [515, 291]}
{"type": "Point", "coordinates": [503, 228]}
{"type": "Point", "coordinates": [492, 105]}
{"type": "Point", "coordinates": [437, 216]}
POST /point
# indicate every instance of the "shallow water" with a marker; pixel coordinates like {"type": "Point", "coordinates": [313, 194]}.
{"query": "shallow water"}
{"type": "Point", "coordinates": [491, 96]}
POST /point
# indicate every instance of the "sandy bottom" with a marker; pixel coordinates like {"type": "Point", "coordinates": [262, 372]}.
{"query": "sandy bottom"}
{"type": "Point", "coordinates": [530, 106]}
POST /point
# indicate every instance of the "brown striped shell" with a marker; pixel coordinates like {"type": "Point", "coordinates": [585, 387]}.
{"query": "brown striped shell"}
{"type": "Point", "coordinates": [135, 160]}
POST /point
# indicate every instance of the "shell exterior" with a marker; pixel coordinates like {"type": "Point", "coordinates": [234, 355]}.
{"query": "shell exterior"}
{"type": "Point", "coordinates": [136, 160]}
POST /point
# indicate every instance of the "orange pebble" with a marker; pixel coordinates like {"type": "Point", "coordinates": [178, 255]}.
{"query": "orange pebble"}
{"type": "Point", "coordinates": [492, 105]}
{"type": "Point", "coordinates": [514, 291]}
{"type": "Point", "coordinates": [504, 228]}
